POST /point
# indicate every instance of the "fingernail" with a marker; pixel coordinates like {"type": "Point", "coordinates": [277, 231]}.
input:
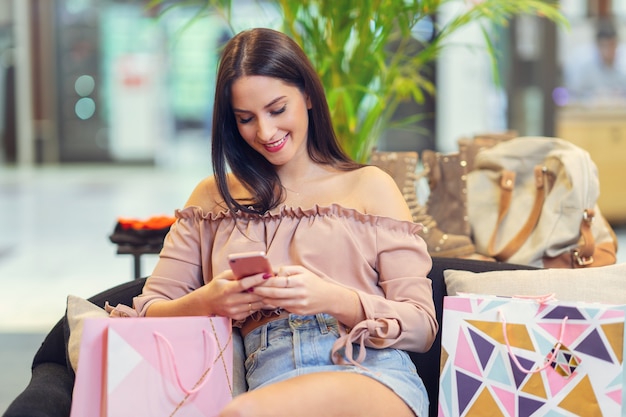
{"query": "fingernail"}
{"type": "Point", "coordinates": [251, 289]}
{"type": "Point", "coordinates": [267, 276]}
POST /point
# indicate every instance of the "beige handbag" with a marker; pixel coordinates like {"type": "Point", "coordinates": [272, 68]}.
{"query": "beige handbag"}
{"type": "Point", "coordinates": [532, 201]}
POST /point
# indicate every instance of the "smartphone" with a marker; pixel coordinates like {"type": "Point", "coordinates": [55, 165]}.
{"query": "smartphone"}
{"type": "Point", "coordinates": [249, 263]}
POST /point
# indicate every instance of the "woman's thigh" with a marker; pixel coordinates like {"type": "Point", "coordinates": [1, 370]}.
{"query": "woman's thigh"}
{"type": "Point", "coordinates": [284, 351]}
{"type": "Point", "coordinates": [320, 394]}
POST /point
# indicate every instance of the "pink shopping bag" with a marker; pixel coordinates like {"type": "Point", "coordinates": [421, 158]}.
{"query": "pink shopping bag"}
{"type": "Point", "coordinates": [174, 366]}
{"type": "Point", "coordinates": [508, 356]}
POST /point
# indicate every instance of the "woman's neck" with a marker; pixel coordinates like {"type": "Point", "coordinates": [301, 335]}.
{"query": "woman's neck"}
{"type": "Point", "coordinates": [297, 177]}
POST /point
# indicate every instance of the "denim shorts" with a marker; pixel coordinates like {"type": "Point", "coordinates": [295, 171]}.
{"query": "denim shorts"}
{"type": "Point", "coordinates": [298, 345]}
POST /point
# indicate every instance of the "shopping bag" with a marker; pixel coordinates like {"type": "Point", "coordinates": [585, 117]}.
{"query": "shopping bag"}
{"type": "Point", "coordinates": [507, 356]}
{"type": "Point", "coordinates": [174, 366]}
{"type": "Point", "coordinates": [533, 201]}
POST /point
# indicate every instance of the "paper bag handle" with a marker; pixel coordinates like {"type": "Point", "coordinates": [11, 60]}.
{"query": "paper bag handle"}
{"type": "Point", "coordinates": [514, 358]}
{"type": "Point", "coordinates": [203, 378]}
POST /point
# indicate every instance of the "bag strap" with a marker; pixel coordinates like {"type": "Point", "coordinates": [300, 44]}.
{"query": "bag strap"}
{"type": "Point", "coordinates": [507, 184]}
{"type": "Point", "coordinates": [583, 255]}
{"type": "Point", "coordinates": [206, 367]}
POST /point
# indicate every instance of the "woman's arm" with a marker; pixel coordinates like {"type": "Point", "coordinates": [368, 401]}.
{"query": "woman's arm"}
{"type": "Point", "coordinates": [223, 296]}
{"type": "Point", "coordinates": [406, 315]}
{"type": "Point", "coordinates": [182, 283]}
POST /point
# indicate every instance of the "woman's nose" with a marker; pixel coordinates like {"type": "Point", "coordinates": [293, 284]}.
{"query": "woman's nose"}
{"type": "Point", "coordinates": [265, 130]}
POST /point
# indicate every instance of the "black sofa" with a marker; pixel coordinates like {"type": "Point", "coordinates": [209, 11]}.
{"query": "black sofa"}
{"type": "Point", "coordinates": [49, 392]}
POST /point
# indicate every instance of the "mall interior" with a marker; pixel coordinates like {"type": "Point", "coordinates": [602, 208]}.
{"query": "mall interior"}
{"type": "Point", "coordinates": [105, 114]}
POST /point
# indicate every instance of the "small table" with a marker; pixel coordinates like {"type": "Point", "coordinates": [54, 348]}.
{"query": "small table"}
{"type": "Point", "coordinates": [137, 252]}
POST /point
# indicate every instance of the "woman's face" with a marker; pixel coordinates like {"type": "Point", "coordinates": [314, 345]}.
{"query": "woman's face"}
{"type": "Point", "coordinates": [271, 116]}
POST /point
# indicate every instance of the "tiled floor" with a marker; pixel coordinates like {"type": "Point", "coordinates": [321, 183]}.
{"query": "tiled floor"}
{"type": "Point", "coordinates": [54, 241]}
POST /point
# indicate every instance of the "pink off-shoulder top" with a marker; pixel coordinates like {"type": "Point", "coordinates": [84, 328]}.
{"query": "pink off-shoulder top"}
{"type": "Point", "coordinates": [384, 260]}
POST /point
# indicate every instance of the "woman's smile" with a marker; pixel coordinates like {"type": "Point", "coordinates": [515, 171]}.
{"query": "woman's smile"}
{"type": "Point", "coordinates": [276, 145]}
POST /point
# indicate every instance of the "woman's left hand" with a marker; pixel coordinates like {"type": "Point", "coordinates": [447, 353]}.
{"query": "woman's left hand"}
{"type": "Point", "coordinates": [300, 291]}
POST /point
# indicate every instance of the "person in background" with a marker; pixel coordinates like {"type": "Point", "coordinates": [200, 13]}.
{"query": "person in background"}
{"type": "Point", "coordinates": [601, 79]}
{"type": "Point", "coordinates": [327, 333]}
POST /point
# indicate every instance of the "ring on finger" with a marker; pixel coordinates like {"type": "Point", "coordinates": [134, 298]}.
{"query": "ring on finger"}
{"type": "Point", "coordinates": [287, 281]}
{"type": "Point", "coordinates": [250, 307]}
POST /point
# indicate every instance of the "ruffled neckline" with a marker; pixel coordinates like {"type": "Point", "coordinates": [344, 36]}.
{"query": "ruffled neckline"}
{"type": "Point", "coordinates": [333, 210]}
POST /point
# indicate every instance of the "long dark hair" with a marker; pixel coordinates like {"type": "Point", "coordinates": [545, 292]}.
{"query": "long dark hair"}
{"type": "Point", "coordinates": [269, 53]}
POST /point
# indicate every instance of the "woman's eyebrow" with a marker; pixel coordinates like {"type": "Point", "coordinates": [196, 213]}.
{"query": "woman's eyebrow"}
{"type": "Point", "coordinates": [270, 104]}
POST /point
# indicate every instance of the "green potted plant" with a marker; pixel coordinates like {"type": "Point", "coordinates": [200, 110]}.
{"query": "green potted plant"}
{"type": "Point", "coordinates": [367, 56]}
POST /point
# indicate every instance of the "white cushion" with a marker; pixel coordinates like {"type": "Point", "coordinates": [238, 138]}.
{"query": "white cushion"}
{"type": "Point", "coordinates": [606, 284]}
{"type": "Point", "coordinates": [77, 310]}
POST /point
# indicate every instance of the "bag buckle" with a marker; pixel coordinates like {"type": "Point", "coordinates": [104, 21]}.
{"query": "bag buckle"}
{"type": "Point", "coordinates": [581, 260]}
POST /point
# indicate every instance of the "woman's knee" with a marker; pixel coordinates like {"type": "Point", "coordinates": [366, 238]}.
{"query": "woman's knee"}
{"type": "Point", "coordinates": [230, 411]}
{"type": "Point", "coordinates": [240, 406]}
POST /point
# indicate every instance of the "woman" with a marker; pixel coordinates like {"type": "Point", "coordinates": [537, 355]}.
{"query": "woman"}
{"type": "Point", "coordinates": [350, 266]}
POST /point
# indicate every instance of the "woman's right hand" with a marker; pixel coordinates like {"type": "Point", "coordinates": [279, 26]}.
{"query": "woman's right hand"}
{"type": "Point", "coordinates": [228, 296]}
{"type": "Point", "coordinates": [224, 296]}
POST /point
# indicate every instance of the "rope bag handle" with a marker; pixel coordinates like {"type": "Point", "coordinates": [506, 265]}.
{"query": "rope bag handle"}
{"type": "Point", "coordinates": [174, 366]}
{"type": "Point", "coordinates": [550, 360]}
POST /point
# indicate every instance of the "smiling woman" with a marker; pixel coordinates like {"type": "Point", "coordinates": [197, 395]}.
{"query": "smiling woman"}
{"type": "Point", "coordinates": [267, 92]}
{"type": "Point", "coordinates": [294, 194]}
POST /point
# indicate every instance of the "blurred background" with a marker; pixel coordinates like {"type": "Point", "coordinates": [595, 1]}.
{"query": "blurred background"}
{"type": "Point", "coordinates": [105, 113]}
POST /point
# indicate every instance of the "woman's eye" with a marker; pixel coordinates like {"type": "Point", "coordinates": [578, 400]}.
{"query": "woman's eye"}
{"type": "Point", "coordinates": [243, 121]}
{"type": "Point", "coordinates": [279, 111]}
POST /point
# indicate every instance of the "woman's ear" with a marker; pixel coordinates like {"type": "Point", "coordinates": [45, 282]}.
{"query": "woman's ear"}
{"type": "Point", "coordinates": [309, 106]}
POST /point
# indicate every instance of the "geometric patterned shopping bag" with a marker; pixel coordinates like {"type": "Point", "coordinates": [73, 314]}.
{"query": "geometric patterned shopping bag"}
{"type": "Point", "coordinates": [508, 356]}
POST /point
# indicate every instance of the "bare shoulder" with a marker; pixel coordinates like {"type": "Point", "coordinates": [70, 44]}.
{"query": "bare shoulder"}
{"type": "Point", "coordinates": [380, 194]}
{"type": "Point", "coordinates": [206, 194]}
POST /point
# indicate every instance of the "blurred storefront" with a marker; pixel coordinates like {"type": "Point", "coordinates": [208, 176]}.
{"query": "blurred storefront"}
{"type": "Point", "coordinates": [108, 81]}
{"type": "Point", "coordinates": [8, 142]}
